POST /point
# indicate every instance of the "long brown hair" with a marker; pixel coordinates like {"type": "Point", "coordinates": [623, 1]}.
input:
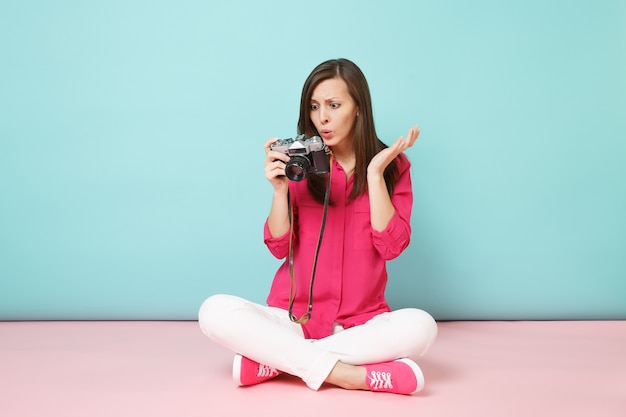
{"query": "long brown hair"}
{"type": "Point", "coordinates": [364, 138]}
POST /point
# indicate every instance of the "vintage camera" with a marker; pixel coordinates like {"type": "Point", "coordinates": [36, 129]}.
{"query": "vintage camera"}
{"type": "Point", "coordinates": [307, 156]}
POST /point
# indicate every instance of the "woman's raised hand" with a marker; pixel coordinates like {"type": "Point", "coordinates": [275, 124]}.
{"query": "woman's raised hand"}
{"type": "Point", "coordinates": [383, 158]}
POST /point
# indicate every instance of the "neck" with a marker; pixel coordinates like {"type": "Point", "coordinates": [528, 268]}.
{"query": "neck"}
{"type": "Point", "coordinates": [347, 162]}
{"type": "Point", "coordinates": [343, 154]}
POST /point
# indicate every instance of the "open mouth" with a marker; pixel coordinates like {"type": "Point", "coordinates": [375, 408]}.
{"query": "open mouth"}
{"type": "Point", "coordinates": [326, 134]}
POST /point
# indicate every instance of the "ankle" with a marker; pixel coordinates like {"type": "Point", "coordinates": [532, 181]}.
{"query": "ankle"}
{"type": "Point", "coordinates": [347, 376]}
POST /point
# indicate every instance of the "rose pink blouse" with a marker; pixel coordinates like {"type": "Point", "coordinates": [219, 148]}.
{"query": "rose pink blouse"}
{"type": "Point", "coordinates": [351, 273]}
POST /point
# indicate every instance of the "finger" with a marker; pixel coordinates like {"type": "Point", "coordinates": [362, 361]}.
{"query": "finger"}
{"type": "Point", "coordinates": [275, 171]}
{"type": "Point", "coordinates": [277, 156]}
{"type": "Point", "coordinates": [410, 140]}
{"type": "Point", "coordinates": [411, 136]}
{"type": "Point", "coordinates": [275, 165]}
{"type": "Point", "coordinates": [267, 144]}
{"type": "Point", "coordinates": [403, 143]}
{"type": "Point", "coordinates": [277, 174]}
{"type": "Point", "coordinates": [416, 132]}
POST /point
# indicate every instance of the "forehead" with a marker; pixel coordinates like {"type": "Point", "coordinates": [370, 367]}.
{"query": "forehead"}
{"type": "Point", "coordinates": [331, 88]}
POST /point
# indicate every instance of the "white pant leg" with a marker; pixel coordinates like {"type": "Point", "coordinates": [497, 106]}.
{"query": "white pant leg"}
{"type": "Point", "coordinates": [404, 333]}
{"type": "Point", "coordinates": [265, 335]}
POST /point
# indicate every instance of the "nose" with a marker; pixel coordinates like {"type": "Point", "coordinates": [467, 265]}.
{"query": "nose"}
{"type": "Point", "coordinates": [323, 116]}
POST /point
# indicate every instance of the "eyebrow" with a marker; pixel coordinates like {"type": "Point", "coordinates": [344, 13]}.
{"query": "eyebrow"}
{"type": "Point", "coordinates": [328, 99]}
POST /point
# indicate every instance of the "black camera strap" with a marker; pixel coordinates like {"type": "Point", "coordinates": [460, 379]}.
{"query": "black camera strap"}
{"type": "Point", "coordinates": [292, 286]}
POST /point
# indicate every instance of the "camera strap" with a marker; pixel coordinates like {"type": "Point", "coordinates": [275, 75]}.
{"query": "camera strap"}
{"type": "Point", "coordinates": [292, 285]}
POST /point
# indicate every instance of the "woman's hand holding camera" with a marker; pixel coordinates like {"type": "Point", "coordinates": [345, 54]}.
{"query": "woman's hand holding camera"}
{"type": "Point", "coordinates": [275, 167]}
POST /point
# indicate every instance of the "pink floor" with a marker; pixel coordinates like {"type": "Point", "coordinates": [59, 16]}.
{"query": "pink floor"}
{"type": "Point", "coordinates": [503, 369]}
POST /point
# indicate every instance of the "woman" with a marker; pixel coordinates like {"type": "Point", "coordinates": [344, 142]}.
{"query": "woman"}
{"type": "Point", "coordinates": [346, 335]}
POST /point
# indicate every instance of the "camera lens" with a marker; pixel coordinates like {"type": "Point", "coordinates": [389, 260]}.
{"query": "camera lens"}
{"type": "Point", "coordinates": [296, 168]}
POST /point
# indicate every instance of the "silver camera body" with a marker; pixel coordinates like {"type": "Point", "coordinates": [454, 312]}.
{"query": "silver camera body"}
{"type": "Point", "coordinates": [307, 156]}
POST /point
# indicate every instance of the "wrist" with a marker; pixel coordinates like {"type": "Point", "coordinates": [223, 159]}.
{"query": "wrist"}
{"type": "Point", "coordinates": [373, 177]}
{"type": "Point", "coordinates": [281, 192]}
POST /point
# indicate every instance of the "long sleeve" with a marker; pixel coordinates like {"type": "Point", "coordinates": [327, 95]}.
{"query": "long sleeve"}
{"type": "Point", "coordinates": [397, 235]}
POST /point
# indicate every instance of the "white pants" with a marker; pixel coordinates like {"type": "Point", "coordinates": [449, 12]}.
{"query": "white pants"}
{"type": "Point", "coordinates": [266, 335]}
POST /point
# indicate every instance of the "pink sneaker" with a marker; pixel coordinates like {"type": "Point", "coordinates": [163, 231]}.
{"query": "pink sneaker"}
{"type": "Point", "coordinates": [401, 376]}
{"type": "Point", "coordinates": [249, 372]}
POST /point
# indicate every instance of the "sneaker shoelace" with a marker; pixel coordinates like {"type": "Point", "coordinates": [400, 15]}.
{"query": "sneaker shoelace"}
{"type": "Point", "coordinates": [265, 371]}
{"type": "Point", "coordinates": [380, 380]}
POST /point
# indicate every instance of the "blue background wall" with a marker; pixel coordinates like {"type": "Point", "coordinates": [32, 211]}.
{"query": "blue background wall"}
{"type": "Point", "coordinates": [131, 159]}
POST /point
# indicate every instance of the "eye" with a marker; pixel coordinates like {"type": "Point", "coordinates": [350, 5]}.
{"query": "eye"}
{"type": "Point", "coordinates": [334, 105]}
{"type": "Point", "coordinates": [314, 107]}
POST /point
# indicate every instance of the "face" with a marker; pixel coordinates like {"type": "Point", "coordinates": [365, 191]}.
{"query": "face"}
{"type": "Point", "coordinates": [333, 113]}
